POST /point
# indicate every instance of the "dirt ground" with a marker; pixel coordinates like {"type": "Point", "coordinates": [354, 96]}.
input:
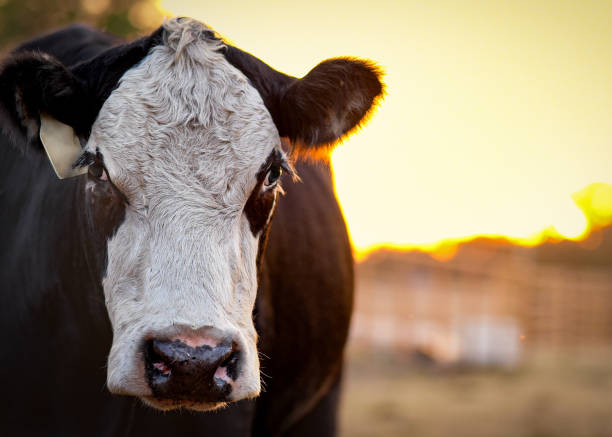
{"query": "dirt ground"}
{"type": "Point", "coordinates": [551, 394]}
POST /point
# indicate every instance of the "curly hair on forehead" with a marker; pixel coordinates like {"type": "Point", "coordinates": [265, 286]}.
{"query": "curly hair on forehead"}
{"type": "Point", "coordinates": [181, 33]}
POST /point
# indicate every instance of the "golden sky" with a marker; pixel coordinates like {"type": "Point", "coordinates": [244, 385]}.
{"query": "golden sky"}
{"type": "Point", "coordinates": [496, 113]}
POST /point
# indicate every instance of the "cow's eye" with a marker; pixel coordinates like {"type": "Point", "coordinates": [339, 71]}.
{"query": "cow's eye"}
{"type": "Point", "coordinates": [272, 177]}
{"type": "Point", "coordinates": [97, 170]}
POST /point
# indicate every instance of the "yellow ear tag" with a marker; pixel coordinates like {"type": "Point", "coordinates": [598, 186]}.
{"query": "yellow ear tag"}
{"type": "Point", "coordinates": [62, 146]}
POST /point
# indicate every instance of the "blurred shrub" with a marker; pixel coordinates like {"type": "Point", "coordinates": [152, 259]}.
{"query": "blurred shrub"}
{"type": "Point", "coordinates": [22, 19]}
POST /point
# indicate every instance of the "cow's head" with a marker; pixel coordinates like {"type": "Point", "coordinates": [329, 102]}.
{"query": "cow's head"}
{"type": "Point", "coordinates": [181, 135]}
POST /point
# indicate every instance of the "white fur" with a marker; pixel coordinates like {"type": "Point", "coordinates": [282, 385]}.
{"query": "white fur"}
{"type": "Point", "coordinates": [183, 137]}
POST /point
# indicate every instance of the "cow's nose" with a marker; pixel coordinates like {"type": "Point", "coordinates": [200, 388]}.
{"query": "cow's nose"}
{"type": "Point", "coordinates": [178, 371]}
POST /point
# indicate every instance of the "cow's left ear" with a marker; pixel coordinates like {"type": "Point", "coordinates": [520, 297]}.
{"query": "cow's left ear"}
{"type": "Point", "coordinates": [327, 104]}
{"type": "Point", "coordinates": [324, 106]}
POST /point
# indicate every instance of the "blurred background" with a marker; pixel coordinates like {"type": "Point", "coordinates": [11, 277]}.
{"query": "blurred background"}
{"type": "Point", "coordinates": [478, 199]}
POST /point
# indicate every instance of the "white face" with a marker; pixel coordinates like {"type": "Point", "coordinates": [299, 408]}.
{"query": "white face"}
{"type": "Point", "coordinates": [184, 138]}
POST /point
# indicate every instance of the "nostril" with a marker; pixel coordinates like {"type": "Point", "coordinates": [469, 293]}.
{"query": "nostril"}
{"type": "Point", "coordinates": [228, 369]}
{"type": "Point", "coordinates": [162, 368]}
{"type": "Point", "coordinates": [157, 367]}
{"type": "Point", "coordinates": [232, 357]}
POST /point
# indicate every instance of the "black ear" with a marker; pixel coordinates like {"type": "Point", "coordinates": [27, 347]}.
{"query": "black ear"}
{"type": "Point", "coordinates": [324, 106]}
{"type": "Point", "coordinates": [34, 83]}
{"type": "Point", "coordinates": [332, 100]}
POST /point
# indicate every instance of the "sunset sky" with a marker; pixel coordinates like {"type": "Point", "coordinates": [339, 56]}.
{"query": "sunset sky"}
{"type": "Point", "coordinates": [496, 113]}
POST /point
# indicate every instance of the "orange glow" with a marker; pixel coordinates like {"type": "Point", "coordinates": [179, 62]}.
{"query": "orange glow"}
{"type": "Point", "coordinates": [495, 113]}
{"type": "Point", "coordinates": [594, 201]}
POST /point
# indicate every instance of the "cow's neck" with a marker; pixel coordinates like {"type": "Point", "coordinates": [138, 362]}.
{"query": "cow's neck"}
{"type": "Point", "coordinates": [47, 256]}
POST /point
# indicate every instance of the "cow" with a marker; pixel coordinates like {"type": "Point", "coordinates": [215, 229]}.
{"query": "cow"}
{"type": "Point", "coordinates": [147, 274]}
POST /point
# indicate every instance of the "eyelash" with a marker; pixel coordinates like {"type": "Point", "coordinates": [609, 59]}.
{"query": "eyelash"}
{"type": "Point", "coordinates": [98, 170]}
{"type": "Point", "coordinates": [272, 176]}
{"type": "Point", "coordinates": [94, 161]}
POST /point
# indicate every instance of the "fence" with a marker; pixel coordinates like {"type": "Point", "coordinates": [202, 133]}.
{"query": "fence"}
{"type": "Point", "coordinates": [485, 306]}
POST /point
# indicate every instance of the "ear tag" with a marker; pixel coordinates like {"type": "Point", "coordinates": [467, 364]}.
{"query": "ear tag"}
{"type": "Point", "coordinates": [62, 146]}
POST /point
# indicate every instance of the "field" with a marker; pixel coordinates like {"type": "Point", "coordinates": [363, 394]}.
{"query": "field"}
{"type": "Point", "coordinates": [551, 394]}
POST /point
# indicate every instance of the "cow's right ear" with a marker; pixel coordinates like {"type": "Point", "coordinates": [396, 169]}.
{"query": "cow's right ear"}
{"type": "Point", "coordinates": [32, 84]}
